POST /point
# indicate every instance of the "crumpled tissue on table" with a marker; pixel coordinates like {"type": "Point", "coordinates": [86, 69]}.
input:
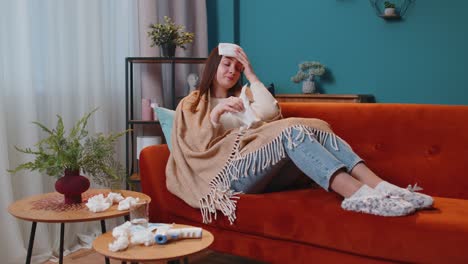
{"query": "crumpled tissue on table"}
{"type": "Point", "coordinates": [128, 203]}
{"type": "Point", "coordinates": [135, 234]}
{"type": "Point", "coordinates": [98, 203]}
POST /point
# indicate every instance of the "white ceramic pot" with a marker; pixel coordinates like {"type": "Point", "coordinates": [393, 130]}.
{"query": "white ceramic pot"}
{"type": "Point", "coordinates": [389, 11]}
{"type": "Point", "coordinates": [308, 86]}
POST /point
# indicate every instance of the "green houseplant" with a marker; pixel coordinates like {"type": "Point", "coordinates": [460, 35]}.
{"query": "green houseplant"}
{"type": "Point", "coordinates": [389, 8]}
{"type": "Point", "coordinates": [64, 156]}
{"type": "Point", "coordinates": [307, 71]}
{"type": "Point", "coordinates": [388, 4]}
{"type": "Point", "coordinates": [168, 36]}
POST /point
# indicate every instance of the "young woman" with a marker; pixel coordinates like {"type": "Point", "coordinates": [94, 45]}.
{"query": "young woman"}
{"type": "Point", "coordinates": [214, 158]}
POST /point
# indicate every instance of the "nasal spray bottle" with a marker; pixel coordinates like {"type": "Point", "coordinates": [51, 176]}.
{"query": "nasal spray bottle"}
{"type": "Point", "coordinates": [166, 233]}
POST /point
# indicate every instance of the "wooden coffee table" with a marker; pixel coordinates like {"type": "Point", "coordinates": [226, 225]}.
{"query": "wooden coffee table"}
{"type": "Point", "coordinates": [50, 208]}
{"type": "Point", "coordinates": [173, 251]}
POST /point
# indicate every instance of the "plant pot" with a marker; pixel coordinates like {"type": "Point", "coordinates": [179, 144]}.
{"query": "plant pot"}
{"type": "Point", "coordinates": [308, 86]}
{"type": "Point", "coordinates": [168, 50]}
{"type": "Point", "coordinates": [389, 11]}
{"type": "Point", "coordinates": [72, 185]}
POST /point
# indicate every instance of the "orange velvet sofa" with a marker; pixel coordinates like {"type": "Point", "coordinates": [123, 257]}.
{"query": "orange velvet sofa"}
{"type": "Point", "coordinates": [403, 143]}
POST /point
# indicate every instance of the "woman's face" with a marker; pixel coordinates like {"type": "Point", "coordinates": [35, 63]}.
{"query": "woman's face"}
{"type": "Point", "coordinates": [229, 71]}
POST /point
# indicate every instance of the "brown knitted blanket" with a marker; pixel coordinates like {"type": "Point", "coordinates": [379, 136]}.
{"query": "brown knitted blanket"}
{"type": "Point", "coordinates": [205, 159]}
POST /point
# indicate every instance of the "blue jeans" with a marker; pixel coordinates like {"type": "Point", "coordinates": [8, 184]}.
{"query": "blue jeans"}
{"type": "Point", "coordinates": [319, 161]}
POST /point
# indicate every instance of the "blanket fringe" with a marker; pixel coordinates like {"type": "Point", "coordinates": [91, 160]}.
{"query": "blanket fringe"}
{"type": "Point", "coordinates": [221, 197]}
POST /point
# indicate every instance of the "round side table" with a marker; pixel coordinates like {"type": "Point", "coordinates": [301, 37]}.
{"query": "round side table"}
{"type": "Point", "coordinates": [173, 251]}
{"type": "Point", "coordinates": [50, 208]}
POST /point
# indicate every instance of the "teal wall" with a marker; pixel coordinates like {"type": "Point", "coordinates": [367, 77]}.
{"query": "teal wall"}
{"type": "Point", "coordinates": [420, 59]}
{"type": "Point", "coordinates": [221, 22]}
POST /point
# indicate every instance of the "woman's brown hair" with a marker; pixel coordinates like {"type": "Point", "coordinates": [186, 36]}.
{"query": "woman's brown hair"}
{"type": "Point", "coordinates": [209, 74]}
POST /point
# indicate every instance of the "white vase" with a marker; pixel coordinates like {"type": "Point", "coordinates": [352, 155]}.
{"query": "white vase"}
{"type": "Point", "coordinates": [308, 86]}
{"type": "Point", "coordinates": [389, 11]}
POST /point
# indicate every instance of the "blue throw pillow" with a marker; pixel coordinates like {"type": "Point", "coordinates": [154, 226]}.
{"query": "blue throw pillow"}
{"type": "Point", "coordinates": [166, 119]}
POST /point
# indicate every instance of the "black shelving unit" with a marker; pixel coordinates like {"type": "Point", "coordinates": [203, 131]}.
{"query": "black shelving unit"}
{"type": "Point", "coordinates": [130, 119]}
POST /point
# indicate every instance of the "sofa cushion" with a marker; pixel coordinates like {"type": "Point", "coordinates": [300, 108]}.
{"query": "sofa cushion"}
{"type": "Point", "coordinates": [166, 119]}
{"type": "Point", "coordinates": [319, 220]}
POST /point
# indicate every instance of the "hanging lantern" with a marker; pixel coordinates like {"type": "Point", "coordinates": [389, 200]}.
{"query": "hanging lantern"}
{"type": "Point", "coordinates": [391, 9]}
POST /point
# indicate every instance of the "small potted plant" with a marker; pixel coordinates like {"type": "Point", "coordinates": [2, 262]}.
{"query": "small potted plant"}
{"type": "Point", "coordinates": [64, 156]}
{"type": "Point", "coordinates": [389, 8]}
{"type": "Point", "coordinates": [307, 71]}
{"type": "Point", "coordinates": [168, 36]}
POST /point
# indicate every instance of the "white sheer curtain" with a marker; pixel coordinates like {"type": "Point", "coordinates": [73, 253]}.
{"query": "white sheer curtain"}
{"type": "Point", "coordinates": [67, 57]}
{"type": "Point", "coordinates": [57, 57]}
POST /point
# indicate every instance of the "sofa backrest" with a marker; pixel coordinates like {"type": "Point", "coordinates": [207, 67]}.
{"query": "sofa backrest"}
{"type": "Point", "coordinates": [403, 143]}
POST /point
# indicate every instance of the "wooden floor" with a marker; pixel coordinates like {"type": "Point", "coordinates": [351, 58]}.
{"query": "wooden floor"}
{"type": "Point", "coordinates": [89, 256]}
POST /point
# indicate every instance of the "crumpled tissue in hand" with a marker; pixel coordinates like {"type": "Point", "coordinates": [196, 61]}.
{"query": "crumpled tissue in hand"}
{"type": "Point", "coordinates": [248, 117]}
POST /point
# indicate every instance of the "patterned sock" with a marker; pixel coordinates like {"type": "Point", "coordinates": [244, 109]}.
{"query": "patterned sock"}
{"type": "Point", "coordinates": [370, 201]}
{"type": "Point", "coordinates": [419, 200]}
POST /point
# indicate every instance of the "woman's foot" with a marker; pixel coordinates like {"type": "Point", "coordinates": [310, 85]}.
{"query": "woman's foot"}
{"type": "Point", "coordinates": [370, 201]}
{"type": "Point", "coordinates": [418, 200]}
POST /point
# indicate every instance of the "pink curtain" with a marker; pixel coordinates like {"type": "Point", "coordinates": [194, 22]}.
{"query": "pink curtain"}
{"type": "Point", "coordinates": [155, 78]}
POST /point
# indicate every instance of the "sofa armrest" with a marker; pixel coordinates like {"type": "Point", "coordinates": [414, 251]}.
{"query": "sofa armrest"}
{"type": "Point", "coordinates": [153, 162]}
